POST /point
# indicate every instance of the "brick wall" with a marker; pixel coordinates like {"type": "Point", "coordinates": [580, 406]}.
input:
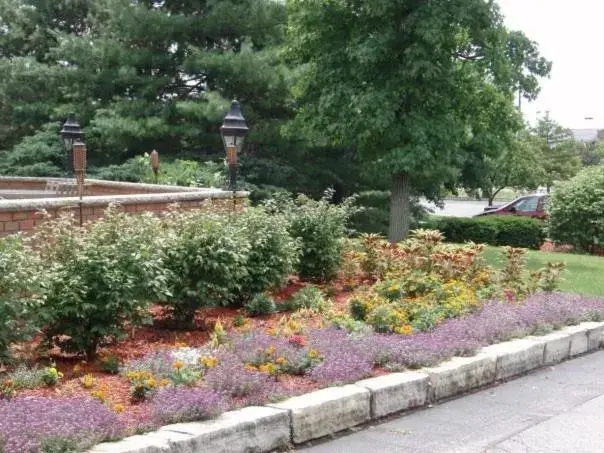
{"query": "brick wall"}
{"type": "Point", "coordinates": [25, 220]}
{"type": "Point", "coordinates": [23, 215]}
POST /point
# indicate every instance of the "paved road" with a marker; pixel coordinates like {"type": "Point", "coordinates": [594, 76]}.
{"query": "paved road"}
{"type": "Point", "coordinates": [555, 410]}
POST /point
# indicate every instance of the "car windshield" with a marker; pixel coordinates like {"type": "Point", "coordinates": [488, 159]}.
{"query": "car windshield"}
{"type": "Point", "coordinates": [527, 204]}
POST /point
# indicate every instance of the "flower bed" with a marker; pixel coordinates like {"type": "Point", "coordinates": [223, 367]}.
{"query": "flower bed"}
{"type": "Point", "coordinates": [391, 308]}
{"type": "Point", "coordinates": [240, 372]}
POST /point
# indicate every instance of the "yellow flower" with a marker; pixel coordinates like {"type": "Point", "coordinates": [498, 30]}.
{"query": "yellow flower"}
{"type": "Point", "coordinates": [313, 354]}
{"type": "Point", "coordinates": [100, 394]}
{"type": "Point", "coordinates": [178, 365]}
{"type": "Point", "coordinates": [280, 360]}
{"type": "Point", "coordinates": [268, 368]}
{"type": "Point", "coordinates": [88, 381]}
{"type": "Point", "coordinates": [209, 361]}
{"type": "Point", "coordinates": [151, 383]}
{"type": "Point", "coordinates": [119, 408]}
{"type": "Point", "coordinates": [270, 350]}
{"type": "Point", "coordinates": [250, 367]}
{"type": "Point", "coordinates": [164, 382]}
{"type": "Point", "coordinates": [406, 330]}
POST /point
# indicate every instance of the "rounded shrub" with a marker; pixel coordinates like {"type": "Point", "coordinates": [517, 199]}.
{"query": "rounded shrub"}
{"type": "Point", "coordinates": [98, 279]}
{"type": "Point", "coordinates": [309, 298]}
{"type": "Point", "coordinates": [576, 211]}
{"type": "Point", "coordinates": [205, 257]}
{"type": "Point", "coordinates": [320, 226]}
{"type": "Point", "coordinates": [261, 304]}
{"type": "Point", "coordinates": [272, 254]}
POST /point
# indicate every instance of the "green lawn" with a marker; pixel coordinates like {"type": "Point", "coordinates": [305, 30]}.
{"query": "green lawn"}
{"type": "Point", "coordinates": [584, 274]}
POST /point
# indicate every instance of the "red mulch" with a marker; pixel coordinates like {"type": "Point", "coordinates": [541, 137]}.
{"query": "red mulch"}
{"type": "Point", "coordinates": [144, 340]}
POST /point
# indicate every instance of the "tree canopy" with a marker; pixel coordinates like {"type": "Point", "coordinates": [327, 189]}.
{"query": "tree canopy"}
{"type": "Point", "coordinates": [414, 86]}
{"type": "Point", "coordinates": [414, 96]}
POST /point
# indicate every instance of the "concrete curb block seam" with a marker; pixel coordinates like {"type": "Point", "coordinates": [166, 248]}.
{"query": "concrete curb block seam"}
{"type": "Point", "coordinates": [333, 409]}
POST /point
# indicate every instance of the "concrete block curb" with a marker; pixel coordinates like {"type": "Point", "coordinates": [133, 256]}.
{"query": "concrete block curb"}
{"type": "Point", "coordinates": [556, 347]}
{"type": "Point", "coordinates": [396, 392]}
{"type": "Point", "coordinates": [155, 442]}
{"type": "Point", "coordinates": [248, 429]}
{"type": "Point", "coordinates": [461, 374]}
{"type": "Point", "coordinates": [595, 335]}
{"type": "Point", "coordinates": [327, 411]}
{"type": "Point", "coordinates": [251, 429]}
{"type": "Point", "coordinates": [516, 357]}
{"type": "Point", "coordinates": [579, 343]}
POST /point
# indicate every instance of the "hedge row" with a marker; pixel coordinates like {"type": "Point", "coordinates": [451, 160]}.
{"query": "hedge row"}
{"type": "Point", "coordinates": [81, 287]}
{"type": "Point", "coordinates": [493, 230]}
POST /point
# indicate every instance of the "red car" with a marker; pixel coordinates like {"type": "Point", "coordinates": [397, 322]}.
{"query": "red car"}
{"type": "Point", "coordinates": [528, 206]}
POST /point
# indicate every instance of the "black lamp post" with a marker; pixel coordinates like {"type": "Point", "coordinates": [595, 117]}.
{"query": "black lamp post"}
{"type": "Point", "coordinates": [233, 131]}
{"type": "Point", "coordinates": [73, 137]}
{"type": "Point", "coordinates": [71, 132]}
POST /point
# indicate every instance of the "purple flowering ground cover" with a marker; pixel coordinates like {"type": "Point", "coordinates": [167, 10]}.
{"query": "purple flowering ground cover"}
{"type": "Point", "coordinates": [27, 425]}
{"type": "Point", "coordinates": [34, 424]}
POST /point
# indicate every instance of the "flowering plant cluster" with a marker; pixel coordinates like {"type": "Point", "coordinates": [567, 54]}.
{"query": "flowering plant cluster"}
{"type": "Point", "coordinates": [275, 354]}
{"type": "Point", "coordinates": [422, 282]}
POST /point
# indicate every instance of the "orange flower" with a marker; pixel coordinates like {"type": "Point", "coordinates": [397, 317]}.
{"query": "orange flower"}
{"type": "Point", "coordinates": [280, 360]}
{"type": "Point", "coordinates": [178, 365]}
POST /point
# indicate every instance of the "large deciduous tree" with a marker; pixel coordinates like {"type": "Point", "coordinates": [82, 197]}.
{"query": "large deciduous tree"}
{"type": "Point", "coordinates": [410, 84]}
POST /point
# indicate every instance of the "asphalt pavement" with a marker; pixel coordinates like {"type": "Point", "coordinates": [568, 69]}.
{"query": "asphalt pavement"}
{"type": "Point", "coordinates": [554, 410]}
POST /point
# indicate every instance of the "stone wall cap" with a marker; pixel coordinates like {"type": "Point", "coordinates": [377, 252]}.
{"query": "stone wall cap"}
{"type": "Point", "coordinates": [103, 200]}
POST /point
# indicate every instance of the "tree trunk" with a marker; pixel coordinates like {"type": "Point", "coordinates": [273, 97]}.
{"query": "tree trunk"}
{"type": "Point", "coordinates": [493, 195]}
{"type": "Point", "coordinates": [399, 208]}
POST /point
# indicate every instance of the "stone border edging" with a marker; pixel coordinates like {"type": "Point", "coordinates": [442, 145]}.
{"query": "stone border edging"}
{"type": "Point", "coordinates": [333, 409]}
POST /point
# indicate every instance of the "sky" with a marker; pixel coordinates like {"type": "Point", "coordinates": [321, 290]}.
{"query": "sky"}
{"type": "Point", "coordinates": [571, 35]}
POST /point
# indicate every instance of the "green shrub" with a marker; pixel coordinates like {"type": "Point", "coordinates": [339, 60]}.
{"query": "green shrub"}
{"type": "Point", "coordinates": [261, 304]}
{"type": "Point", "coordinates": [576, 211]}
{"type": "Point", "coordinates": [321, 227]}
{"type": "Point", "coordinates": [100, 279]}
{"type": "Point", "coordinates": [513, 231]}
{"type": "Point", "coordinates": [382, 318]}
{"type": "Point", "coordinates": [239, 321]}
{"type": "Point", "coordinates": [19, 301]}
{"type": "Point", "coordinates": [272, 255]}
{"type": "Point", "coordinates": [309, 298]}
{"type": "Point", "coordinates": [205, 257]}
{"type": "Point", "coordinates": [358, 309]}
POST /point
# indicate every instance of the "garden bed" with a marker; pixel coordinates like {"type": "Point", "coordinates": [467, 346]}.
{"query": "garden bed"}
{"type": "Point", "coordinates": [215, 342]}
{"type": "Point", "coordinates": [233, 383]}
